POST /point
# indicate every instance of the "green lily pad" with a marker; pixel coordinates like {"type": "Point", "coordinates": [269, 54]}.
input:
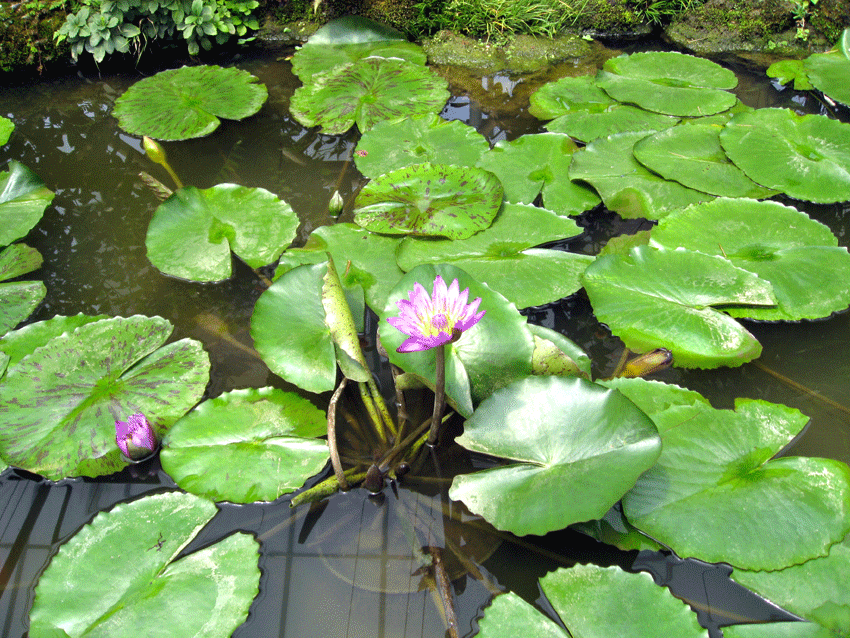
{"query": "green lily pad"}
{"type": "Point", "coordinates": [19, 343]}
{"type": "Point", "coordinates": [807, 157]}
{"type": "Point", "coordinates": [23, 199]}
{"type": "Point", "coordinates": [430, 199]}
{"type": "Point", "coordinates": [535, 164]}
{"type": "Point", "coordinates": [59, 404]}
{"type": "Point", "coordinates": [665, 299]}
{"type": "Point", "coordinates": [807, 269]}
{"type": "Point", "coordinates": [556, 355]}
{"type": "Point", "coordinates": [620, 118]}
{"type": "Point", "coordinates": [828, 72]}
{"type": "Point", "coordinates": [493, 353]}
{"type": "Point", "coordinates": [180, 104]}
{"type": "Point", "coordinates": [669, 83]}
{"type": "Point", "coordinates": [6, 128]}
{"type": "Point", "coordinates": [625, 185]}
{"type": "Point", "coordinates": [692, 156]}
{"type": "Point", "coordinates": [778, 630]}
{"type": "Point", "coordinates": [566, 437]}
{"type": "Point", "coordinates": [17, 260]}
{"type": "Point", "coordinates": [502, 255]}
{"type": "Point", "coordinates": [786, 71]}
{"type": "Point", "coordinates": [246, 445]}
{"type": "Point", "coordinates": [713, 493]}
{"type": "Point", "coordinates": [568, 95]}
{"type": "Point", "coordinates": [192, 233]}
{"type": "Point", "coordinates": [18, 299]}
{"type": "Point", "coordinates": [353, 29]}
{"type": "Point", "coordinates": [394, 144]}
{"type": "Point", "coordinates": [367, 92]}
{"type": "Point", "coordinates": [843, 44]}
{"type": "Point", "coordinates": [149, 589]}
{"type": "Point", "coordinates": [313, 59]}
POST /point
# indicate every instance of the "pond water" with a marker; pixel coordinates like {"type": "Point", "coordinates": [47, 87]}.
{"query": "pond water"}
{"type": "Point", "coordinates": [316, 581]}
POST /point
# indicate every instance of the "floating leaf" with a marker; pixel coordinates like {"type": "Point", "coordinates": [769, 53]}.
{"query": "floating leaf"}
{"type": "Point", "coordinates": [621, 118]}
{"type": "Point", "coordinates": [354, 29]}
{"type": "Point", "coordinates": [367, 92]}
{"type": "Point", "coordinates": [569, 95]}
{"type": "Point", "coordinates": [669, 82]}
{"type": "Point", "coordinates": [6, 128]}
{"type": "Point", "coordinates": [807, 157]}
{"type": "Point", "coordinates": [148, 589]}
{"type": "Point", "coordinates": [23, 198]}
{"type": "Point", "coordinates": [532, 164]}
{"type": "Point", "coordinates": [692, 156]}
{"type": "Point", "coordinates": [59, 404]}
{"type": "Point", "coordinates": [17, 301]}
{"type": "Point", "coordinates": [778, 630]}
{"type": "Point", "coordinates": [394, 144]}
{"type": "Point", "coordinates": [180, 104]}
{"type": "Point", "coordinates": [192, 233]}
{"type": "Point", "coordinates": [665, 299]}
{"type": "Point", "coordinates": [713, 493]}
{"type": "Point", "coordinates": [502, 255]}
{"type": "Point", "coordinates": [493, 353]}
{"type": "Point", "coordinates": [786, 71]}
{"type": "Point", "coordinates": [246, 445]}
{"type": "Point", "coordinates": [566, 437]}
{"type": "Point", "coordinates": [807, 269]}
{"type": "Point", "coordinates": [828, 72]}
{"type": "Point", "coordinates": [554, 354]}
{"type": "Point", "coordinates": [430, 199]}
{"type": "Point", "coordinates": [313, 59]}
{"type": "Point", "coordinates": [19, 343]}
{"type": "Point", "coordinates": [626, 186]}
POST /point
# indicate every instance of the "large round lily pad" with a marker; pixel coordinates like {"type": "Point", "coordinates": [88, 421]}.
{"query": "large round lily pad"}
{"type": "Point", "coordinates": [568, 95]}
{"type": "Point", "coordinates": [315, 58]}
{"type": "Point", "coordinates": [828, 72]}
{"type": "Point", "coordinates": [621, 118]}
{"type": "Point", "coordinates": [564, 436]}
{"type": "Point", "coordinates": [805, 156]}
{"type": "Point", "coordinates": [59, 404]}
{"type": "Point", "coordinates": [18, 299]}
{"type": "Point", "coordinates": [6, 128]}
{"type": "Point", "coordinates": [192, 233]}
{"type": "Point", "coordinates": [23, 198]}
{"type": "Point", "coordinates": [179, 104]}
{"type": "Point", "coordinates": [430, 199]}
{"type": "Point", "coordinates": [246, 445]}
{"type": "Point", "coordinates": [120, 576]}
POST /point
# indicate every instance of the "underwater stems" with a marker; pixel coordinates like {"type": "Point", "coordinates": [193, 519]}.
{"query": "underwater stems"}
{"type": "Point", "coordinates": [439, 395]}
{"type": "Point", "coordinates": [389, 424]}
{"type": "Point", "coordinates": [444, 588]}
{"type": "Point", "coordinates": [372, 410]}
{"type": "Point", "coordinates": [335, 461]}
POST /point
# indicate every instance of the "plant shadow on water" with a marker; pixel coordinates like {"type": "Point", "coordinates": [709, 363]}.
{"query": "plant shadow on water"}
{"type": "Point", "coordinates": [352, 565]}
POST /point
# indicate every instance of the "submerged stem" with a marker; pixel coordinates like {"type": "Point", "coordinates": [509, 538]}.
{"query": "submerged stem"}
{"type": "Point", "coordinates": [439, 395]}
{"type": "Point", "coordinates": [335, 461]}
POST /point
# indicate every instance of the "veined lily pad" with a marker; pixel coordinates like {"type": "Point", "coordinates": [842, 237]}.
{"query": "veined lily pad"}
{"type": "Point", "coordinates": [807, 157]}
{"type": "Point", "coordinates": [354, 29]}
{"type": "Point", "coordinates": [668, 82]}
{"type": "Point", "coordinates": [23, 198]}
{"type": "Point", "coordinates": [626, 186]}
{"type": "Point", "coordinates": [692, 156]}
{"type": "Point", "coordinates": [192, 233]}
{"type": "Point", "coordinates": [180, 104]}
{"type": "Point", "coordinates": [829, 72]}
{"type": "Point", "coordinates": [430, 199]}
{"type": "Point", "coordinates": [594, 602]}
{"type": "Point", "coordinates": [19, 343]}
{"type": "Point", "coordinates": [394, 144]}
{"type": "Point", "coordinates": [503, 257]}
{"type": "Point", "coordinates": [779, 630]}
{"type": "Point", "coordinates": [18, 299]}
{"type": "Point", "coordinates": [713, 492]}
{"type": "Point", "coordinates": [367, 92]}
{"type": "Point", "coordinates": [808, 270]}
{"type": "Point", "coordinates": [665, 299]}
{"type": "Point", "coordinates": [6, 128]}
{"type": "Point", "coordinates": [313, 59]}
{"type": "Point", "coordinates": [493, 353]}
{"type": "Point", "coordinates": [59, 404]}
{"type": "Point", "coordinates": [786, 71]}
{"type": "Point", "coordinates": [569, 95]}
{"type": "Point", "coordinates": [246, 445]}
{"type": "Point", "coordinates": [620, 118]}
{"type": "Point", "coordinates": [566, 437]}
{"type": "Point", "coordinates": [556, 355]}
{"type": "Point", "coordinates": [149, 589]}
{"type": "Point", "coordinates": [532, 164]}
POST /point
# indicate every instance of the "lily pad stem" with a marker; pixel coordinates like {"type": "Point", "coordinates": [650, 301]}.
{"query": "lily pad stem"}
{"type": "Point", "coordinates": [335, 461]}
{"type": "Point", "coordinates": [382, 407]}
{"type": "Point", "coordinates": [372, 411]}
{"type": "Point", "coordinates": [439, 395]}
{"type": "Point", "coordinates": [327, 487]}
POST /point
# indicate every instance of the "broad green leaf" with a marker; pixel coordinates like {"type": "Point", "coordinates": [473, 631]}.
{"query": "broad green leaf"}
{"type": "Point", "coordinates": [532, 164]}
{"type": "Point", "coordinates": [621, 118]}
{"type": "Point", "coordinates": [625, 185]}
{"type": "Point", "coordinates": [192, 233]}
{"type": "Point", "coordinates": [568, 95]}
{"type": "Point", "coordinates": [562, 437]}
{"type": "Point", "coordinates": [829, 73]}
{"type": "Point", "coordinates": [148, 588]}
{"type": "Point", "coordinates": [666, 299]}
{"type": "Point", "coordinates": [430, 199]}
{"type": "Point", "coordinates": [807, 269]}
{"type": "Point", "coordinates": [19, 343]}
{"type": "Point", "coordinates": [493, 353]}
{"type": "Point", "coordinates": [17, 301]}
{"type": "Point", "coordinates": [816, 590]}
{"type": "Point", "coordinates": [354, 29]}
{"type": "Point", "coordinates": [614, 529]}
{"type": "Point", "coordinates": [778, 630]}
{"type": "Point", "coordinates": [289, 330]}
{"type": "Point", "coordinates": [394, 144]}
{"type": "Point", "coordinates": [669, 82]}
{"type": "Point", "coordinates": [554, 354]}
{"type": "Point", "coordinates": [6, 128]}
{"type": "Point", "coordinates": [246, 445]}
{"type": "Point", "coordinates": [807, 157]}
{"type": "Point", "coordinates": [367, 92]}
{"type": "Point", "coordinates": [23, 198]}
{"type": "Point", "coordinates": [692, 156]}
{"type": "Point", "coordinates": [713, 493]}
{"type": "Point", "coordinates": [59, 404]}
{"type": "Point", "coordinates": [179, 104]}
{"type": "Point", "coordinates": [502, 255]}
{"type": "Point", "coordinates": [343, 331]}
{"type": "Point", "coordinates": [313, 59]}
{"type": "Point", "coordinates": [786, 71]}
{"type": "Point", "coordinates": [17, 260]}
{"type": "Point", "coordinates": [509, 615]}
{"type": "Point", "coordinates": [844, 43]}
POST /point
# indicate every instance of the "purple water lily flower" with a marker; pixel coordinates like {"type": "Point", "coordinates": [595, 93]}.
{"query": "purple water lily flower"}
{"type": "Point", "coordinates": [436, 320]}
{"type": "Point", "coordinates": [135, 437]}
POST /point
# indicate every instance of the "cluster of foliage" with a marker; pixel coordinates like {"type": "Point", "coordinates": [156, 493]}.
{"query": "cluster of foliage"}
{"type": "Point", "coordinates": [441, 204]}
{"type": "Point", "coordinates": [103, 27]}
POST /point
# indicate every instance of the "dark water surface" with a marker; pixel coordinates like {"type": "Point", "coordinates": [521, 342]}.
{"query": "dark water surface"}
{"type": "Point", "coordinates": [317, 581]}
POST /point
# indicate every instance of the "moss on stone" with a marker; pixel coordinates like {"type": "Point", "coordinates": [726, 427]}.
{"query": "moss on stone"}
{"type": "Point", "coordinates": [26, 37]}
{"type": "Point", "coordinates": [830, 18]}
